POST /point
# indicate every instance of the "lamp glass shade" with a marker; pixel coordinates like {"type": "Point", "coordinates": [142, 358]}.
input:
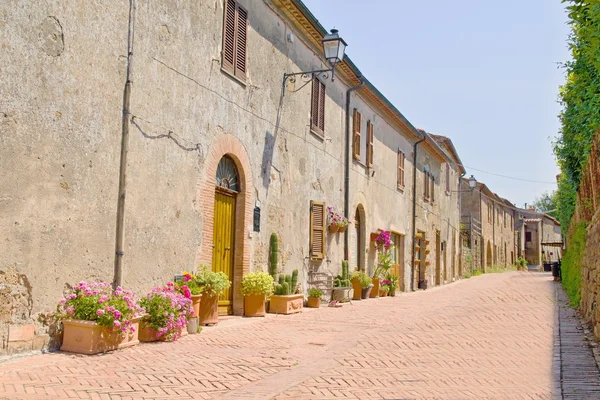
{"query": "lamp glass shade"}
{"type": "Point", "coordinates": [472, 182]}
{"type": "Point", "coordinates": [334, 47]}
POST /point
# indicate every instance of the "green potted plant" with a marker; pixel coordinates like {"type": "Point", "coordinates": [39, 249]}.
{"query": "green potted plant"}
{"type": "Point", "coordinates": [384, 289]}
{"type": "Point", "coordinates": [363, 281]}
{"type": "Point", "coordinates": [314, 297]}
{"type": "Point", "coordinates": [256, 286]}
{"type": "Point", "coordinates": [393, 279]}
{"type": "Point", "coordinates": [167, 313]}
{"type": "Point", "coordinates": [213, 284]}
{"type": "Point", "coordinates": [342, 287]}
{"type": "Point", "coordinates": [97, 319]}
{"type": "Point", "coordinates": [286, 300]}
{"type": "Point", "coordinates": [383, 243]}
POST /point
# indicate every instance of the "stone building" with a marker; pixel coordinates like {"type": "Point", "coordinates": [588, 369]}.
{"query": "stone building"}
{"type": "Point", "coordinates": [219, 154]}
{"type": "Point", "coordinates": [489, 223]}
{"type": "Point", "coordinates": [539, 237]}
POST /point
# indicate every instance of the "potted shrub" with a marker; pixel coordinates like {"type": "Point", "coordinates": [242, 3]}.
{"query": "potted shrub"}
{"type": "Point", "coordinates": [393, 279]}
{"type": "Point", "coordinates": [286, 300]}
{"type": "Point", "coordinates": [342, 288]}
{"type": "Point", "coordinates": [314, 297]}
{"type": "Point", "coordinates": [95, 319]}
{"type": "Point", "coordinates": [364, 283]}
{"type": "Point", "coordinates": [384, 288]}
{"type": "Point", "coordinates": [167, 313]}
{"type": "Point", "coordinates": [213, 284]}
{"type": "Point", "coordinates": [256, 286]}
{"type": "Point", "coordinates": [190, 289]}
{"type": "Point", "coordinates": [383, 243]}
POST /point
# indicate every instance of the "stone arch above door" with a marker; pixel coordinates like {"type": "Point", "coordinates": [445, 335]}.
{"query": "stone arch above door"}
{"type": "Point", "coordinates": [230, 146]}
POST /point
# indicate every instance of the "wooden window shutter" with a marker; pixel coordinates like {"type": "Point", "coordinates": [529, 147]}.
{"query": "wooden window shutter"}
{"type": "Point", "coordinates": [447, 177]}
{"type": "Point", "coordinates": [426, 184]}
{"type": "Point", "coordinates": [321, 106]}
{"type": "Point", "coordinates": [241, 42]}
{"type": "Point", "coordinates": [229, 25]}
{"type": "Point", "coordinates": [317, 230]}
{"type": "Point", "coordinates": [400, 179]}
{"type": "Point", "coordinates": [356, 137]}
{"type": "Point", "coordinates": [369, 144]}
{"type": "Point", "coordinates": [432, 188]}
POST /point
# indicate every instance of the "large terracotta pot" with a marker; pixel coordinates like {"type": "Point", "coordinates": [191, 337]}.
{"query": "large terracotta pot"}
{"type": "Point", "coordinates": [375, 290]}
{"type": "Point", "coordinates": [314, 302]}
{"type": "Point", "coordinates": [289, 304]}
{"type": "Point", "coordinates": [87, 337]}
{"type": "Point", "coordinates": [147, 335]}
{"type": "Point", "coordinates": [209, 310]}
{"type": "Point", "coordinates": [357, 289]}
{"type": "Point", "coordinates": [196, 304]}
{"type": "Point", "coordinates": [254, 305]}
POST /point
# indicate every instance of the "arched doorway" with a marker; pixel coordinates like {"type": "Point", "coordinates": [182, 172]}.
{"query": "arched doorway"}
{"type": "Point", "coordinates": [488, 257]}
{"type": "Point", "coordinates": [223, 255]}
{"type": "Point", "coordinates": [359, 237]}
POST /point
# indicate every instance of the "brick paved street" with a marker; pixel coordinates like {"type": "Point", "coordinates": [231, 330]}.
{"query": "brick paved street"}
{"type": "Point", "coordinates": [488, 337]}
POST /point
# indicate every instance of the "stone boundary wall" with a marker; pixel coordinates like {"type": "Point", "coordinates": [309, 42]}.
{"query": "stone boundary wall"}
{"type": "Point", "coordinates": [588, 209]}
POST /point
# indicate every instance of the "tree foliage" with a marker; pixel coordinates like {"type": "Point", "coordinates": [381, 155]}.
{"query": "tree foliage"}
{"type": "Point", "coordinates": [546, 203]}
{"type": "Point", "coordinates": [580, 98]}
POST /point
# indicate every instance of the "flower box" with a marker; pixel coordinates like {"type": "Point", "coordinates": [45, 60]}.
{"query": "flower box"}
{"type": "Point", "coordinates": [87, 337]}
{"type": "Point", "coordinates": [286, 304]}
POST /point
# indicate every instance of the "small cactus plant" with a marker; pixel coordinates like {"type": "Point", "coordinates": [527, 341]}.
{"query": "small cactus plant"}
{"type": "Point", "coordinates": [285, 288]}
{"type": "Point", "coordinates": [279, 289]}
{"type": "Point", "coordinates": [273, 255]}
{"type": "Point", "coordinates": [294, 284]}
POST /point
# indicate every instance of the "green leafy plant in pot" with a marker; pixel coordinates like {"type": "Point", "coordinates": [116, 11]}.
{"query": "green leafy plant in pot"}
{"type": "Point", "coordinates": [314, 297]}
{"type": "Point", "coordinates": [364, 282]}
{"type": "Point", "coordinates": [213, 285]}
{"type": "Point", "coordinates": [256, 286]}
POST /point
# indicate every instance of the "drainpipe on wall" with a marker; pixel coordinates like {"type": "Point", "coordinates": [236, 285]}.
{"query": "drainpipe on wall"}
{"type": "Point", "coordinates": [483, 244]}
{"type": "Point", "coordinates": [460, 255]}
{"type": "Point", "coordinates": [347, 168]}
{"type": "Point", "coordinates": [414, 213]}
{"type": "Point", "coordinates": [119, 245]}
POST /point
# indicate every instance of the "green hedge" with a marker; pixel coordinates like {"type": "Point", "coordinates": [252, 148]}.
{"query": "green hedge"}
{"type": "Point", "coordinates": [571, 264]}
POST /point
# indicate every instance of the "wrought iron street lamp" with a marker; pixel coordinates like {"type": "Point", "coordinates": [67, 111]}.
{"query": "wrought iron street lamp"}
{"type": "Point", "coordinates": [472, 182]}
{"type": "Point", "coordinates": [334, 48]}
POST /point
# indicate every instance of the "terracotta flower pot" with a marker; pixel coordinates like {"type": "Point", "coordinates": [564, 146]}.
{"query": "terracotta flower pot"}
{"type": "Point", "coordinates": [375, 291]}
{"type": "Point", "coordinates": [342, 229]}
{"type": "Point", "coordinates": [254, 305]}
{"type": "Point", "coordinates": [148, 335]}
{"type": "Point", "coordinates": [209, 310]}
{"type": "Point", "coordinates": [357, 289]}
{"type": "Point", "coordinates": [87, 337]}
{"type": "Point", "coordinates": [289, 304]}
{"type": "Point", "coordinates": [196, 304]}
{"type": "Point", "coordinates": [393, 292]}
{"type": "Point", "coordinates": [365, 292]}
{"type": "Point", "coordinates": [314, 302]}
{"type": "Point", "coordinates": [383, 293]}
{"type": "Point", "coordinates": [333, 228]}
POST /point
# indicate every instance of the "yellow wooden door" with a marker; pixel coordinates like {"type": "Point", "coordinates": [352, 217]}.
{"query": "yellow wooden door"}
{"type": "Point", "coordinates": [223, 242]}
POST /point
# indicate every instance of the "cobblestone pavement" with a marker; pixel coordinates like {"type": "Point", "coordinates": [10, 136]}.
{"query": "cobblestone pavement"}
{"type": "Point", "coordinates": [488, 337]}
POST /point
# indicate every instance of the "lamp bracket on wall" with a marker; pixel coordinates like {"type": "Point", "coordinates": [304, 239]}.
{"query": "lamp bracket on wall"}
{"type": "Point", "coordinates": [306, 76]}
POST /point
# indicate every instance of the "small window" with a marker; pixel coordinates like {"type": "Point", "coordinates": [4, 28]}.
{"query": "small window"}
{"type": "Point", "coordinates": [400, 179]}
{"type": "Point", "coordinates": [235, 30]}
{"type": "Point", "coordinates": [317, 107]}
{"type": "Point", "coordinates": [356, 136]}
{"type": "Point", "coordinates": [447, 178]}
{"type": "Point", "coordinates": [527, 236]}
{"type": "Point", "coordinates": [370, 139]}
{"type": "Point", "coordinates": [317, 230]}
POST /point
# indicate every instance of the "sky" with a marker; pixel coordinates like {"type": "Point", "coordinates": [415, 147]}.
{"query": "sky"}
{"type": "Point", "coordinates": [484, 73]}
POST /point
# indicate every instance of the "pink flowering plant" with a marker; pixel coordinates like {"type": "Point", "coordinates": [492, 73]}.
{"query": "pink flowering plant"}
{"type": "Point", "coordinates": [189, 285]}
{"type": "Point", "coordinates": [167, 311]}
{"type": "Point", "coordinates": [383, 240]}
{"type": "Point", "coordinates": [335, 218]}
{"type": "Point", "coordinates": [97, 302]}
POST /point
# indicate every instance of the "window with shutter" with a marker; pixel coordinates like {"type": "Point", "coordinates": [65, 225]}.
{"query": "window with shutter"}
{"type": "Point", "coordinates": [317, 230]}
{"type": "Point", "coordinates": [432, 194]}
{"type": "Point", "coordinates": [370, 137]}
{"type": "Point", "coordinates": [426, 185]}
{"type": "Point", "coordinates": [356, 137]}
{"type": "Point", "coordinates": [400, 179]}
{"type": "Point", "coordinates": [317, 107]}
{"type": "Point", "coordinates": [235, 31]}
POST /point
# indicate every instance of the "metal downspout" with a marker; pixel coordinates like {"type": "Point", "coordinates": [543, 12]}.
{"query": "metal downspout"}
{"type": "Point", "coordinates": [347, 168]}
{"type": "Point", "coordinates": [414, 213]}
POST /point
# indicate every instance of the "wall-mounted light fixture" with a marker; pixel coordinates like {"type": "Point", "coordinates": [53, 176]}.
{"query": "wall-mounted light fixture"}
{"type": "Point", "coordinates": [334, 48]}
